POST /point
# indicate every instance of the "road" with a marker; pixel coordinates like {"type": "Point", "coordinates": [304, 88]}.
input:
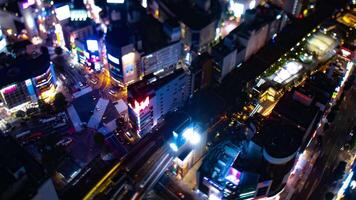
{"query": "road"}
{"type": "Point", "coordinates": [317, 183]}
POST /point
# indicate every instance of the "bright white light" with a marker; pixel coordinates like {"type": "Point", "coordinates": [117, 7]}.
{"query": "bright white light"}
{"type": "Point", "coordinates": [115, 1]}
{"type": "Point", "coordinates": [144, 3]}
{"type": "Point", "coordinates": [279, 16]}
{"type": "Point", "coordinates": [78, 15]}
{"type": "Point", "coordinates": [62, 12]}
{"type": "Point", "coordinates": [287, 71]}
{"type": "Point", "coordinates": [252, 4]}
{"type": "Point", "coordinates": [92, 45]}
{"type": "Point", "coordinates": [236, 8]}
{"type": "Point", "coordinates": [173, 147]}
{"type": "Point", "coordinates": [97, 66]}
{"type": "Point", "coordinates": [345, 52]}
{"type": "Point", "coordinates": [113, 59]}
{"type": "Point", "coordinates": [345, 184]}
{"type": "Point", "coordinates": [353, 184]}
{"type": "Point", "coordinates": [191, 136]}
{"type": "Point", "coordinates": [321, 44]}
{"type": "Point", "coordinates": [2, 44]}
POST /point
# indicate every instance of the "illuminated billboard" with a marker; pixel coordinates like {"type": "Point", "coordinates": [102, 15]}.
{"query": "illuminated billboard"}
{"type": "Point", "coordinates": [138, 106]}
{"type": "Point", "coordinates": [113, 59]}
{"type": "Point", "coordinates": [9, 89]}
{"type": "Point", "coordinates": [233, 176]}
{"type": "Point", "coordinates": [62, 12]}
{"type": "Point", "coordinates": [129, 66]}
{"type": "Point", "coordinates": [92, 45]}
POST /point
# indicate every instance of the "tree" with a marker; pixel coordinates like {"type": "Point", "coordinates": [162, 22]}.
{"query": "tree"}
{"type": "Point", "coordinates": [59, 102]}
{"type": "Point", "coordinates": [44, 107]}
{"type": "Point", "coordinates": [31, 111]}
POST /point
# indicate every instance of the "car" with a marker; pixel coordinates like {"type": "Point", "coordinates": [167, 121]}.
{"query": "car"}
{"type": "Point", "coordinates": [64, 142]}
{"type": "Point", "coordinates": [32, 137]}
{"type": "Point", "coordinates": [180, 195]}
{"type": "Point", "coordinates": [94, 81]}
{"type": "Point", "coordinates": [128, 136]}
{"type": "Point", "coordinates": [112, 92]}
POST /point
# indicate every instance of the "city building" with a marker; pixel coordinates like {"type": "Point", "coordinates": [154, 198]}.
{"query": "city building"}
{"type": "Point", "coordinates": [22, 177]}
{"type": "Point", "coordinates": [259, 26]}
{"type": "Point", "coordinates": [188, 143]}
{"type": "Point", "coordinates": [145, 46]}
{"type": "Point", "coordinates": [201, 72]}
{"type": "Point", "coordinates": [17, 16]}
{"type": "Point", "coordinates": [28, 75]}
{"type": "Point", "coordinates": [122, 55]}
{"type": "Point", "coordinates": [198, 20]}
{"type": "Point", "coordinates": [216, 174]}
{"type": "Point", "coordinates": [161, 46]}
{"type": "Point", "coordinates": [227, 55]}
{"type": "Point", "coordinates": [77, 30]}
{"type": "Point", "coordinates": [239, 7]}
{"type": "Point", "coordinates": [153, 97]}
{"type": "Point", "coordinates": [293, 7]}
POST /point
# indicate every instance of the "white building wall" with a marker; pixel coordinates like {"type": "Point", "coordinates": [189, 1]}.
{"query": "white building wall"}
{"type": "Point", "coordinates": [228, 64]}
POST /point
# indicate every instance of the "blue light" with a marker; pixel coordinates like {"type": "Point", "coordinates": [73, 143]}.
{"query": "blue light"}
{"type": "Point", "coordinates": [173, 147]}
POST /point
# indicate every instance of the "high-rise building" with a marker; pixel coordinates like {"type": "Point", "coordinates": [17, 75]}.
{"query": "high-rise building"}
{"type": "Point", "coordinates": [122, 55]}
{"type": "Point", "coordinates": [153, 97]}
{"type": "Point", "coordinates": [198, 20]}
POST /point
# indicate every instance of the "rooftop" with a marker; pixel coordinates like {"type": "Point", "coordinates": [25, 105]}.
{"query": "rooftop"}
{"type": "Point", "coordinates": [221, 50]}
{"type": "Point", "coordinates": [191, 15]}
{"type": "Point", "coordinates": [281, 139]}
{"type": "Point", "coordinates": [296, 112]}
{"type": "Point", "coordinates": [217, 163]}
{"type": "Point", "coordinates": [139, 90]}
{"type": "Point", "coordinates": [119, 36]}
{"type": "Point", "coordinates": [153, 36]}
{"type": "Point", "coordinates": [17, 68]}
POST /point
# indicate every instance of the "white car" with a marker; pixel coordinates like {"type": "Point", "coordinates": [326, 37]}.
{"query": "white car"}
{"type": "Point", "coordinates": [64, 142]}
{"type": "Point", "coordinates": [94, 81]}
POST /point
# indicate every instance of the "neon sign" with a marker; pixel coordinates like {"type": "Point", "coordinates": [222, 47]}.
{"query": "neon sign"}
{"type": "Point", "coordinates": [233, 176]}
{"type": "Point", "coordinates": [8, 90]}
{"type": "Point", "coordinates": [113, 59]}
{"type": "Point", "coordinates": [140, 106]}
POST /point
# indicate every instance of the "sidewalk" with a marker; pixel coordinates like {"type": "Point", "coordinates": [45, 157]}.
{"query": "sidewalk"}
{"type": "Point", "coordinates": [100, 108]}
{"type": "Point", "coordinates": [75, 119]}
